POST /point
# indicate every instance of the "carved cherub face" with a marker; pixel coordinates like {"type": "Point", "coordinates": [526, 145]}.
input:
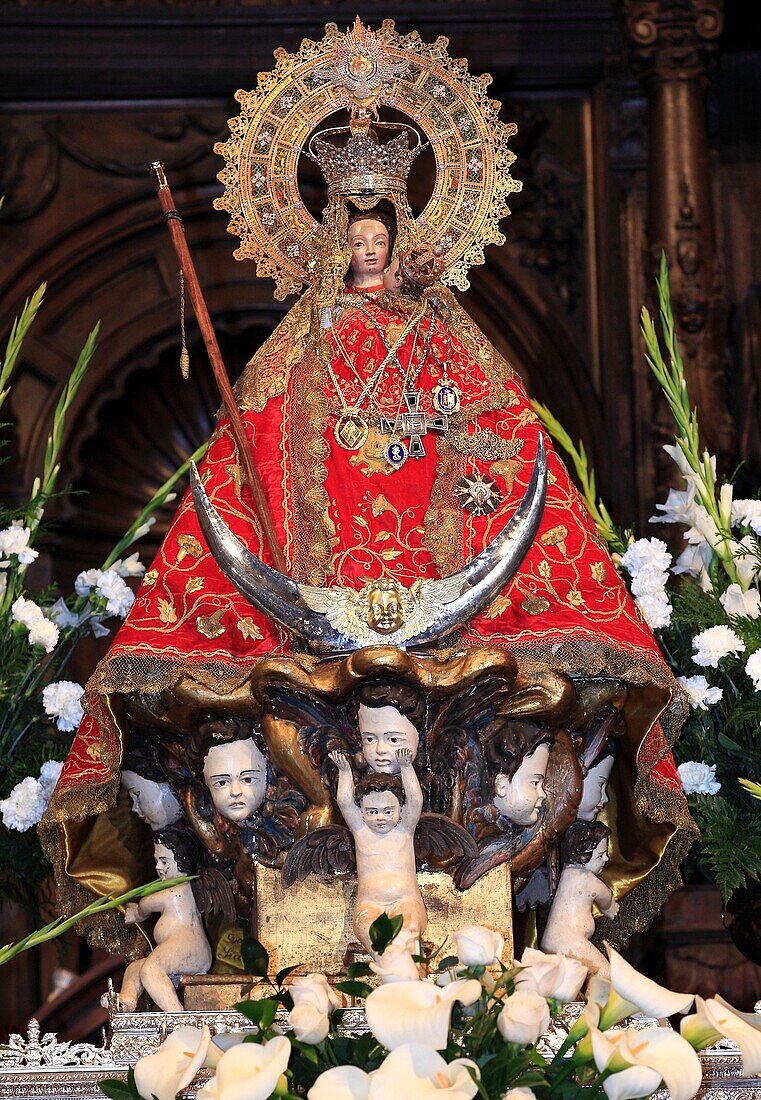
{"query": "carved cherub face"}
{"type": "Point", "coordinates": [380, 811]}
{"type": "Point", "coordinates": [383, 731]}
{"type": "Point", "coordinates": [595, 792]}
{"type": "Point", "coordinates": [599, 857]}
{"type": "Point", "coordinates": [384, 610]}
{"type": "Point", "coordinates": [236, 775]}
{"type": "Point", "coordinates": [520, 799]}
{"type": "Point", "coordinates": [153, 802]}
{"type": "Point", "coordinates": [166, 861]}
{"type": "Point", "coordinates": [368, 241]}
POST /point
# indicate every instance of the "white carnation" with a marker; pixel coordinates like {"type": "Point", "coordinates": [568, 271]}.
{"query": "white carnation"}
{"type": "Point", "coordinates": [50, 773]}
{"type": "Point", "coordinates": [747, 513]}
{"type": "Point", "coordinates": [713, 644]}
{"type": "Point", "coordinates": [736, 602]}
{"type": "Point", "coordinates": [698, 778]}
{"type": "Point", "coordinates": [753, 669]}
{"type": "Point", "coordinates": [651, 554]}
{"type": "Point", "coordinates": [15, 540]}
{"type": "Point", "coordinates": [62, 701]}
{"type": "Point", "coordinates": [656, 609]}
{"type": "Point", "coordinates": [119, 598]}
{"type": "Point", "coordinates": [24, 806]}
{"type": "Point", "coordinates": [26, 612]}
{"type": "Point", "coordinates": [87, 581]}
{"type": "Point", "coordinates": [701, 695]}
{"type": "Point", "coordinates": [44, 633]}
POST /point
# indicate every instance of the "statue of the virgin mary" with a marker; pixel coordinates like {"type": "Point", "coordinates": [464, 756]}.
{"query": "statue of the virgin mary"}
{"type": "Point", "coordinates": [394, 444]}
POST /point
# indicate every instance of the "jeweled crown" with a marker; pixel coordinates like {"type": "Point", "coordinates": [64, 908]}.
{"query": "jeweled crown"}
{"type": "Point", "coordinates": [364, 165]}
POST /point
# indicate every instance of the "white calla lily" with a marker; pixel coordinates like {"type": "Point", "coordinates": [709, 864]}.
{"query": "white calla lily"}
{"type": "Point", "coordinates": [416, 1012]}
{"type": "Point", "coordinates": [661, 1052]}
{"type": "Point", "coordinates": [714, 1020]}
{"type": "Point", "coordinates": [415, 1071]}
{"type": "Point", "coordinates": [248, 1071]}
{"type": "Point", "coordinates": [174, 1065]}
{"type": "Point", "coordinates": [221, 1042]}
{"type": "Point", "coordinates": [341, 1083]}
{"type": "Point", "coordinates": [633, 992]}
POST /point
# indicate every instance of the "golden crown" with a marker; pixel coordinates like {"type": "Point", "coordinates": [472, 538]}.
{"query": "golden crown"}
{"type": "Point", "coordinates": [363, 165]}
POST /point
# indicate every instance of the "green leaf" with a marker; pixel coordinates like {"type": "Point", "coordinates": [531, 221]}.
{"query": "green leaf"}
{"type": "Point", "coordinates": [354, 988]}
{"type": "Point", "coordinates": [283, 974]}
{"type": "Point", "coordinates": [120, 1090]}
{"type": "Point", "coordinates": [383, 930]}
{"type": "Point", "coordinates": [359, 970]}
{"type": "Point", "coordinates": [260, 1013]}
{"type": "Point", "coordinates": [254, 957]}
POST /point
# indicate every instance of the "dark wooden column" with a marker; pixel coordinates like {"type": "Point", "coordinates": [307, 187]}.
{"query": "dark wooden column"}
{"type": "Point", "coordinates": [673, 44]}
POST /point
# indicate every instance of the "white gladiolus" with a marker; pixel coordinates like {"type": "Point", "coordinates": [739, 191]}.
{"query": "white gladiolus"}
{"type": "Point", "coordinates": [341, 1083]}
{"type": "Point", "coordinates": [86, 581]}
{"type": "Point", "coordinates": [478, 946]}
{"type": "Point", "coordinates": [701, 695]}
{"type": "Point", "coordinates": [15, 540]}
{"type": "Point", "coordinates": [557, 976]}
{"type": "Point", "coordinates": [525, 1017]}
{"type": "Point", "coordinates": [414, 1072]}
{"type": "Point", "coordinates": [129, 567]}
{"type": "Point", "coordinates": [24, 806]}
{"type": "Point", "coordinates": [714, 1020]}
{"type": "Point", "coordinates": [698, 778]}
{"type": "Point", "coordinates": [174, 1065]}
{"type": "Point", "coordinates": [747, 513]}
{"type": "Point", "coordinates": [641, 1059]}
{"type": "Point", "coordinates": [753, 669]}
{"type": "Point", "coordinates": [119, 598]}
{"type": "Point", "coordinates": [396, 964]}
{"type": "Point", "coordinates": [62, 701]}
{"type": "Point", "coordinates": [694, 560]}
{"type": "Point", "coordinates": [26, 612]}
{"type": "Point", "coordinates": [45, 633]}
{"type": "Point", "coordinates": [416, 1012]}
{"type": "Point", "coordinates": [736, 602]}
{"type": "Point", "coordinates": [713, 644]}
{"type": "Point", "coordinates": [144, 528]}
{"type": "Point", "coordinates": [746, 562]}
{"type": "Point", "coordinates": [248, 1071]}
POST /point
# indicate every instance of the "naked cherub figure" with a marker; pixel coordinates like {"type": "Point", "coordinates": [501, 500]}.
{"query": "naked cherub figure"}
{"type": "Point", "coordinates": [181, 943]}
{"type": "Point", "coordinates": [570, 924]}
{"type": "Point", "coordinates": [382, 814]}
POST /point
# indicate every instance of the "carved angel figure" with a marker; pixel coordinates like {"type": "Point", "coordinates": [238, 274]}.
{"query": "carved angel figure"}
{"type": "Point", "coordinates": [390, 835]}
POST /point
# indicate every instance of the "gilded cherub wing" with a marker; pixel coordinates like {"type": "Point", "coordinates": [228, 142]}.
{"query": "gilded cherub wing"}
{"type": "Point", "coordinates": [440, 843]}
{"type": "Point", "coordinates": [213, 893]}
{"type": "Point", "coordinates": [325, 852]}
{"type": "Point", "coordinates": [338, 605]}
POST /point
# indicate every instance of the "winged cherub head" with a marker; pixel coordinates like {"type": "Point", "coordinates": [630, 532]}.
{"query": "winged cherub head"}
{"type": "Point", "coordinates": [390, 717]}
{"type": "Point", "coordinates": [380, 799]}
{"type": "Point", "coordinates": [385, 610]}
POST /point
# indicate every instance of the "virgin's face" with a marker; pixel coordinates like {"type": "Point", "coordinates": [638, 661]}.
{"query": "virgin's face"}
{"type": "Point", "coordinates": [154, 802]}
{"type": "Point", "coordinates": [236, 775]}
{"type": "Point", "coordinates": [520, 799]}
{"type": "Point", "coordinates": [368, 241]}
{"type": "Point", "coordinates": [595, 792]}
{"type": "Point", "coordinates": [383, 731]}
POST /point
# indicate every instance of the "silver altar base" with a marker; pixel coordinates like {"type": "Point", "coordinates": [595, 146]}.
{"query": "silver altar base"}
{"type": "Point", "coordinates": [38, 1067]}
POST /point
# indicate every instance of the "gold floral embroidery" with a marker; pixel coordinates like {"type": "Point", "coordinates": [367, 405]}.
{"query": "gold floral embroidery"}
{"type": "Point", "coordinates": [507, 470]}
{"type": "Point", "coordinates": [167, 612]}
{"type": "Point", "coordinates": [575, 598]}
{"type": "Point", "coordinates": [189, 547]}
{"type": "Point", "coordinates": [249, 629]}
{"type": "Point", "coordinates": [535, 605]}
{"type": "Point", "coordinates": [194, 584]}
{"type": "Point", "coordinates": [499, 606]}
{"type": "Point", "coordinates": [151, 577]}
{"type": "Point", "coordinates": [556, 536]}
{"type": "Point", "coordinates": [544, 569]}
{"type": "Point", "coordinates": [236, 473]}
{"type": "Point", "coordinates": [597, 569]}
{"type": "Point", "coordinates": [210, 625]}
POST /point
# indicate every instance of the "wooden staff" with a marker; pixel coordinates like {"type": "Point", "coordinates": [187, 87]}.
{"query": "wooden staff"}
{"type": "Point", "coordinates": [177, 233]}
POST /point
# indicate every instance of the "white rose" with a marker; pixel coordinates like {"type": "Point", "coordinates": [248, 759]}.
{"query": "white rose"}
{"type": "Point", "coordinates": [650, 554]}
{"type": "Point", "coordinates": [86, 581]}
{"type": "Point", "coordinates": [525, 1017]}
{"type": "Point", "coordinates": [736, 602]}
{"type": "Point", "coordinates": [396, 964]}
{"type": "Point", "coordinates": [747, 513]}
{"type": "Point", "coordinates": [701, 695]}
{"type": "Point", "coordinates": [44, 633]}
{"type": "Point", "coordinates": [309, 1024]}
{"type": "Point", "coordinates": [62, 701]}
{"type": "Point", "coordinates": [314, 989]}
{"type": "Point", "coordinates": [478, 946]}
{"type": "Point", "coordinates": [119, 597]}
{"type": "Point", "coordinates": [753, 669]}
{"type": "Point", "coordinates": [26, 612]}
{"type": "Point", "coordinates": [556, 976]}
{"type": "Point", "coordinates": [24, 806]}
{"type": "Point", "coordinates": [713, 644]}
{"type": "Point", "coordinates": [698, 778]}
{"type": "Point", "coordinates": [656, 610]}
{"type": "Point", "coordinates": [519, 1094]}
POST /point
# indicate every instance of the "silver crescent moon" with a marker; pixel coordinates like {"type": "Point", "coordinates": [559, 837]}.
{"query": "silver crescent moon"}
{"type": "Point", "coordinates": [280, 598]}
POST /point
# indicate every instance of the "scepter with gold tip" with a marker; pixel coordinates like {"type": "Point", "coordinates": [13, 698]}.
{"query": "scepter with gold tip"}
{"type": "Point", "coordinates": [198, 302]}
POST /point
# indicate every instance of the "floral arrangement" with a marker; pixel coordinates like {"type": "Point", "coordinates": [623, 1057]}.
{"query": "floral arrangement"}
{"type": "Point", "coordinates": [705, 609]}
{"type": "Point", "coordinates": [472, 1028]}
{"type": "Point", "coordinates": [39, 631]}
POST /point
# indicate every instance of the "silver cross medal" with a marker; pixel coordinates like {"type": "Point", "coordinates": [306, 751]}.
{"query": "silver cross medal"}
{"type": "Point", "coordinates": [414, 424]}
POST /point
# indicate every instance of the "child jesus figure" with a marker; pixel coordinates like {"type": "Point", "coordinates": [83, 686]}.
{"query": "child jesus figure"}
{"type": "Point", "coordinates": [382, 813]}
